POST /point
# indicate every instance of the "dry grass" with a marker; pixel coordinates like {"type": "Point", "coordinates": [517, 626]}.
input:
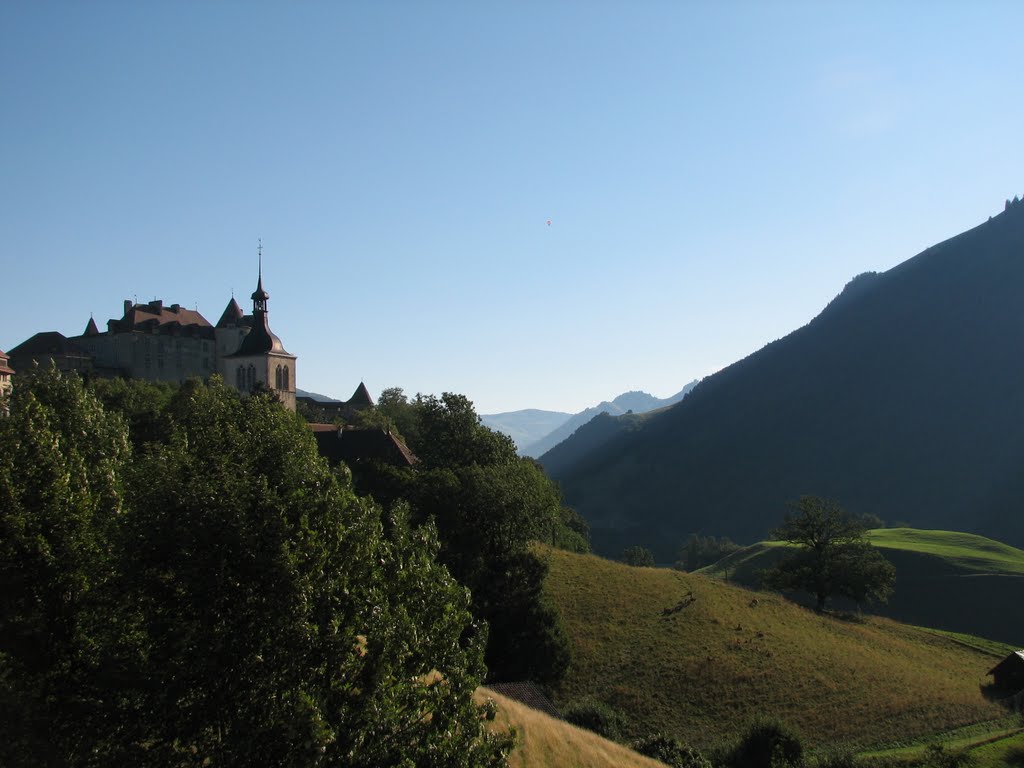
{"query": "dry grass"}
{"type": "Point", "coordinates": [544, 742]}
{"type": "Point", "coordinates": [703, 671]}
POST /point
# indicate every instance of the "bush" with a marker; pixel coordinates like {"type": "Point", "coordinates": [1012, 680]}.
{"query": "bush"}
{"type": "Point", "coordinates": [767, 744]}
{"type": "Point", "coordinates": [670, 751]}
{"type": "Point", "coordinates": [596, 716]}
{"type": "Point", "coordinates": [638, 556]}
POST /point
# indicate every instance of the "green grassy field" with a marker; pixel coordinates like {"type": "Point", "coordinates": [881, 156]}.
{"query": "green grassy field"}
{"type": "Point", "coordinates": [1001, 753]}
{"type": "Point", "coordinates": [954, 581]}
{"type": "Point", "coordinates": [965, 551]}
{"type": "Point", "coordinates": [698, 659]}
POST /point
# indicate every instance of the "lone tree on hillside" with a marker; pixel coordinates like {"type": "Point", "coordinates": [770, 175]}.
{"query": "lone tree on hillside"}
{"type": "Point", "coordinates": [638, 556]}
{"type": "Point", "coordinates": [833, 557]}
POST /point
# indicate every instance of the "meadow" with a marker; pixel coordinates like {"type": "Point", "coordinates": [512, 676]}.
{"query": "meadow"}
{"type": "Point", "coordinates": [959, 582]}
{"type": "Point", "coordinates": [698, 658]}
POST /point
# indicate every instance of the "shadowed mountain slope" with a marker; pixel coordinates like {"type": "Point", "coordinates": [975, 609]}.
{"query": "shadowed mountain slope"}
{"type": "Point", "coordinates": [903, 398]}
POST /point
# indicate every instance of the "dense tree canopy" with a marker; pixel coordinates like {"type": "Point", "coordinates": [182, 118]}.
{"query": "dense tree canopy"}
{"type": "Point", "coordinates": [489, 505]}
{"type": "Point", "coordinates": [833, 557]}
{"type": "Point", "coordinates": [218, 597]}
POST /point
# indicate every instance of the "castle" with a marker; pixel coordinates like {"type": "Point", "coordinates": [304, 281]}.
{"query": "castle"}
{"type": "Point", "coordinates": [170, 343]}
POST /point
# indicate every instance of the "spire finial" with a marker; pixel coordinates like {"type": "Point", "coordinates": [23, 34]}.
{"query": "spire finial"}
{"type": "Point", "coordinates": [259, 253]}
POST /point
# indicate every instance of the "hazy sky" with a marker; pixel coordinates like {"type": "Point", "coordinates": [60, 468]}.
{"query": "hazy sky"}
{"type": "Point", "coordinates": [713, 172]}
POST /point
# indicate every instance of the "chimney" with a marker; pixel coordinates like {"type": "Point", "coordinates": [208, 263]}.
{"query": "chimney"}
{"type": "Point", "coordinates": [127, 307]}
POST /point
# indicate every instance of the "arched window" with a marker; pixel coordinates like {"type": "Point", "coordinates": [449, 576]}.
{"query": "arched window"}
{"type": "Point", "coordinates": [286, 388]}
{"type": "Point", "coordinates": [251, 378]}
{"type": "Point", "coordinates": [277, 377]}
{"type": "Point", "coordinates": [240, 378]}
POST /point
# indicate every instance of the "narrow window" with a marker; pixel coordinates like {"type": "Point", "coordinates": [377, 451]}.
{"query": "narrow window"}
{"type": "Point", "coordinates": [286, 388]}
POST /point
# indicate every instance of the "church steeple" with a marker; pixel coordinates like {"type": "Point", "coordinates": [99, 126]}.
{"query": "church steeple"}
{"type": "Point", "coordinates": [260, 296]}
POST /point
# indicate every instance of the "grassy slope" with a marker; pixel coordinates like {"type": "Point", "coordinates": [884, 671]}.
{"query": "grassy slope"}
{"type": "Point", "coordinates": [944, 579]}
{"type": "Point", "coordinates": [1000, 753]}
{"type": "Point", "coordinates": [702, 672]}
{"type": "Point", "coordinates": [966, 551]}
{"type": "Point", "coordinates": [544, 742]}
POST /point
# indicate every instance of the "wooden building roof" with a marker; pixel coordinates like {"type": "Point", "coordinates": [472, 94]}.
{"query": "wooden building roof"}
{"type": "Point", "coordinates": [353, 445]}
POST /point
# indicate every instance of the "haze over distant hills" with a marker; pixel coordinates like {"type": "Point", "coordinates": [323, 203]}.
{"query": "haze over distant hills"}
{"type": "Point", "coordinates": [526, 426]}
{"type": "Point", "coordinates": [903, 398]}
{"type": "Point", "coordinates": [316, 396]}
{"type": "Point", "coordinates": [535, 432]}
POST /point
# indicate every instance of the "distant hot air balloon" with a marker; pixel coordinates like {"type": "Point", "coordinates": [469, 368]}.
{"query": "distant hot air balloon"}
{"type": "Point", "coordinates": [549, 222]}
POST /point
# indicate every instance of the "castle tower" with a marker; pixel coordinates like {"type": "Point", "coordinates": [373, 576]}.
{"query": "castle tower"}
{"type": "Point", "coordinates": [261, 359]}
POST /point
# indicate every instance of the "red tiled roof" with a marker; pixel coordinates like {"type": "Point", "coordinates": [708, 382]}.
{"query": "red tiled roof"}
{"type": "Point", "coordinates": [156, 311]}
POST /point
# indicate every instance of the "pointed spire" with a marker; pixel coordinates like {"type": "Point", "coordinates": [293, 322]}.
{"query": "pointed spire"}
{"type": "Point", "coordinates": [260, 296]}
{"type": "Point", "coordinates": [91, 329]}
{"type": "Point", "coordinates": [232, 314]}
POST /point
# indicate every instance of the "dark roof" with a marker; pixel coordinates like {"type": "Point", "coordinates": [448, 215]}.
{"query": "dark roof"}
{"type": "Point", "coordinates": [353, 445]}
{"type": "Point", "coordinates": [529, 694]}
{"type": "Point", "coordinates": [321, 427]}
{"type": "Point", "coordinates": [1015, 659]}
{"type": "Point", "coordinates": [232, 314]}
{"type": "Point", "coordinates": [260, 294]}
{"type": "Point", "coordinates": [361, 397]}
{"type": "Point", "coordinates": [47, 343]}
{"type": "Point", "coordinates": [260, 340]}
{"type": "Point", "coordinates": [91, 329]}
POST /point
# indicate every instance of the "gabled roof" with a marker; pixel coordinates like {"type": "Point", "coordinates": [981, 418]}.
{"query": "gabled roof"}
{"type": "Point", "coordinates": [354, 445]}
{"type": "Point", "coordinates": [1014, 659]}
{"type": "Point", "coordinates": [232, 314]}
{"type": "Point", "coordinates": [47, 343]}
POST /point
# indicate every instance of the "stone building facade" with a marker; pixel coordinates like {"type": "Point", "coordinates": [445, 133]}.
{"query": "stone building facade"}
{"type": "Point", "coordinates": [5, 381]}
{"type": "Point", "coordinates": [159, 342]}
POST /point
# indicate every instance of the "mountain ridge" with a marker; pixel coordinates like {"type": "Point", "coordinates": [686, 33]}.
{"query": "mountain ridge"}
{"type": "Point", "coordinates": [903, 397]}
{"type": "Point", "coordinates": [634, 400]}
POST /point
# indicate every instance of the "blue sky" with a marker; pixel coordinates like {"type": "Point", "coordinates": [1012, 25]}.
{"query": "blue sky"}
{"type": "Point", "coordinates": [714, 173]}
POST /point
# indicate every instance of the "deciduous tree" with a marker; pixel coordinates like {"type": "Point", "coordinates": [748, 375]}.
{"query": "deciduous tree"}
{"type": "Point", "coordinates": [833, 557]}
{"type": "Point", "coordinates": [221, 599]}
